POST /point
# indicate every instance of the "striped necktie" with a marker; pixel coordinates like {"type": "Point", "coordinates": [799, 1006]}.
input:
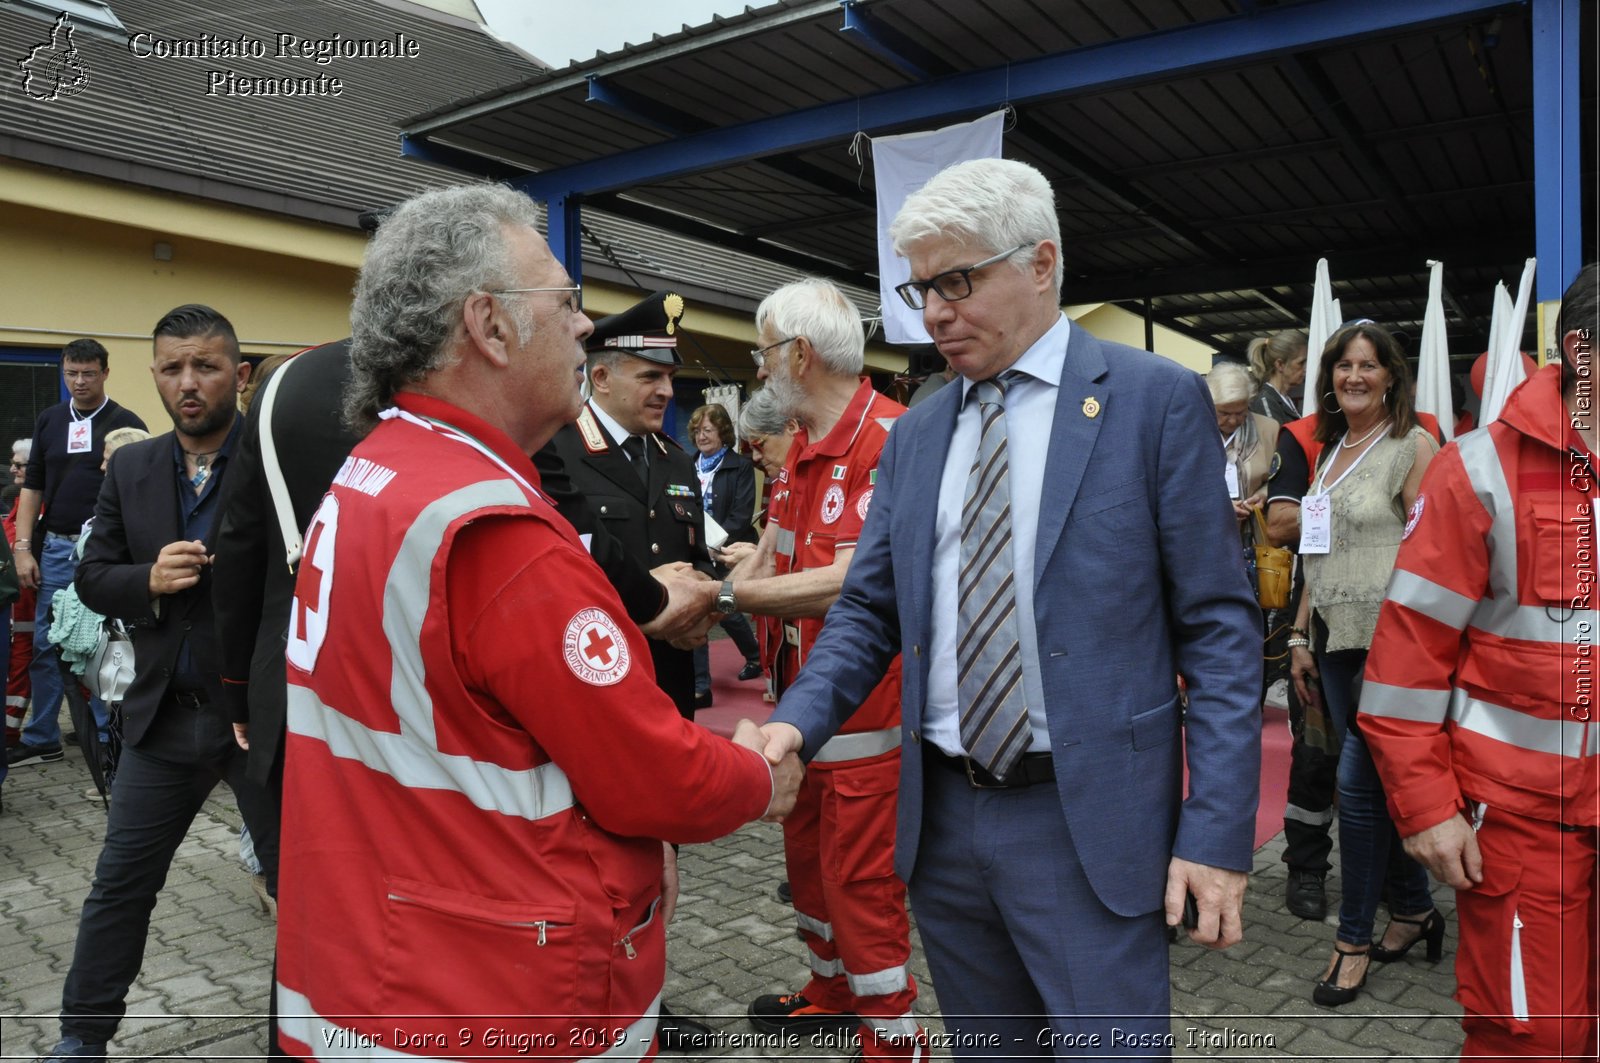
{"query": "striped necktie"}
{"type": "Point", "coordinates": [994, 713]}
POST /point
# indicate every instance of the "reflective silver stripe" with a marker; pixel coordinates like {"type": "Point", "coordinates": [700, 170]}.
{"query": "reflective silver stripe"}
{"type": "Point", "coordinates": [904, 1026]}
{"type": "Point", "coordinates": [1519, 986]}
{"type": "Point", "coordinates": [18, 626]}
{"type": "Point", "coordinates": [826, 968]}
{"type": "Point", "coordinates": [785, 542]}
{"type": "Point", "coordinates": [814, 926]}
{"type": "Point", "coordinates": [327, 1040]}
{"type": "Point", "coordinates": [532, 793]}
{"type": "Point", "coordinates": [1488, 478]}
{"type": "Point", "coordinates": [1530, 623]}
{"type": "Point", "coordinates": [1560, 738]}
{"type": "Point", "coordinates": [877, 983]}
{"type": "Point", "coordinates": [406, 595]}
{"type": "Point", "coordinates": [1304, 815]}
{"type": "Point", "coordinates": [1431, 599]}
{"type": "Point", "coordinates": [1404, 703]}
{"type": "Point", "coordinates": [857, 746]}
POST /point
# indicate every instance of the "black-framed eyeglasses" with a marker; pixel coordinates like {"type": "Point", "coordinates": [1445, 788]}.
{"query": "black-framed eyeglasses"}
{"type": "Point", "coordinates": [759, 354]}
{"type": "Point", "coordinates": [19, 465]}
{"type": "Point", "coordinates": [953, 285]}
{"type": "Point", "coordinates": [574, 292]}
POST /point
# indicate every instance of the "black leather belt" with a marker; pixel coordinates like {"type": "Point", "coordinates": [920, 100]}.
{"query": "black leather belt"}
{"type": "Point", "coordinates": [189, 699]}
{"type": "Point", "coordinates": [1031, 769]}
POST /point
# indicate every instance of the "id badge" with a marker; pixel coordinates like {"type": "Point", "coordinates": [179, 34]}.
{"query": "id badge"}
{"type": "Point", "coordinates": [79, 436]}
{"type": "Point", "coordinates": [1230, 472]}
{"type": "Point", "coordinates": [1316, 524]}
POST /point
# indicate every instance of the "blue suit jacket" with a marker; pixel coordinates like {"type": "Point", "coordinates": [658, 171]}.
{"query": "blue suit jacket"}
{"type": "Point", "coordinates": [1138, 577]}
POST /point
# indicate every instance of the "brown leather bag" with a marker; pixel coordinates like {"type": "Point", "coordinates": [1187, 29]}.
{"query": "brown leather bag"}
{"type": "Point", "coordinates": [1274, 568]}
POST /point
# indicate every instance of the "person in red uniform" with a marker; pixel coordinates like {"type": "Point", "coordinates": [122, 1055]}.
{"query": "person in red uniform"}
{"type": "Point", "coordinates": [480, 768]}
{"type": "Point", "coordinates": [19, 687]}
{"type": "Point", "coordinates": [1479, 703]}
{"type": "Point", "coordinates": [839, 841]}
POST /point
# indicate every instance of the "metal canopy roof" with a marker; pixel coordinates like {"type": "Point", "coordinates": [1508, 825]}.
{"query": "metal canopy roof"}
{"type": "Point", "coordinates": [1204, 152]}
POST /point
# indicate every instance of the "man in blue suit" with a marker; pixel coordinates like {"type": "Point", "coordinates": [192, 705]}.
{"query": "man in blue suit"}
{"type": "Point", "coordinates": [1049, 548]}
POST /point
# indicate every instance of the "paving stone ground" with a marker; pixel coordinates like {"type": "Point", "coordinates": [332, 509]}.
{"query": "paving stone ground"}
{"type": "Point", "coordinates": [206, 969]}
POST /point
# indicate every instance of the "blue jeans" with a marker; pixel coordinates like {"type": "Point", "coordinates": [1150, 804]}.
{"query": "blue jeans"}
{"type": "Point", "coordinates": [737, 625]}
{"type": "Point", "coordinates": [161, 785]}
{"type": "Point", "coordinates": [1369, 848]}
{"type": "Point", "coordinates": [56, 565]}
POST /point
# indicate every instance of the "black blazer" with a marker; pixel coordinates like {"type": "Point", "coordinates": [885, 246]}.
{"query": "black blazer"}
{"type": "Point", "coordinates": [251, 584]}
{"type": "Point", "coordinates": [136, 514]}
{"type": "Point", "coordinates": [733, 497]}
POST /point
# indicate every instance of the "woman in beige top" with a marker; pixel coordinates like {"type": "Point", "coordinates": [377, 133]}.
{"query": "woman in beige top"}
{"type": "Point", "coordinates": [1248, 438]}
{"type": "Point", "coordinates": [1366, 482]}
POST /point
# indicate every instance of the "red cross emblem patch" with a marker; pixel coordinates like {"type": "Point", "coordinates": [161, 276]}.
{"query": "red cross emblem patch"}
{"type": "Point", "coordinates": [595, 649]}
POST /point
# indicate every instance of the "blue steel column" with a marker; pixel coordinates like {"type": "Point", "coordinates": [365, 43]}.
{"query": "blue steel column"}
{"type": "Point", "coordinates": [1557, 146]}
{"type": "Point", "coordinates": [564, 217]}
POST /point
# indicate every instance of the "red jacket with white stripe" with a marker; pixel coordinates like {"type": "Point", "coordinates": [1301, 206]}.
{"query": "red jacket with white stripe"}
{"type": "Point", "coordinates": [1480, 682]}
{"type": "Point", "coordinates": [830, 485]}
{"type": "Point", "coordinates": [479, 768]}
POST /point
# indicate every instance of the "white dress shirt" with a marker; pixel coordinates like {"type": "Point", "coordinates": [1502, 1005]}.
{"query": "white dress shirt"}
{"type": "Point", "coordinates": [1030, 413]}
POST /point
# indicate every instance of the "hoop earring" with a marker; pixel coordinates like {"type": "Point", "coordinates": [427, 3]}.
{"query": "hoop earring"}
{"type": "Point", "coordinates": [1323, 406]}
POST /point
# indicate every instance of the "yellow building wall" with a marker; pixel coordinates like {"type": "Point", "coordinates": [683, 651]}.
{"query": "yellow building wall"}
{"type": "Point", "coordinates": [1110, 322]}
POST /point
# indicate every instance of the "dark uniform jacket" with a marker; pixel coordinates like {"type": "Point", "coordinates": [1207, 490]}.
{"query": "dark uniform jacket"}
{"type": "Point", "coordinates": [655, 525]}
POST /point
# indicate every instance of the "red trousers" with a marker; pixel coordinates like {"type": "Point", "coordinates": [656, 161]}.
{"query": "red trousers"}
{"type": "Point", "coordinates": [1526, 970]}
{"type": "Point", "coordinates": [838, 845]}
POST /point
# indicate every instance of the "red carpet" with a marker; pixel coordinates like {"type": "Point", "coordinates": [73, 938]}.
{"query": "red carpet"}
{"type": "Point", "coordinates": [733, 700]}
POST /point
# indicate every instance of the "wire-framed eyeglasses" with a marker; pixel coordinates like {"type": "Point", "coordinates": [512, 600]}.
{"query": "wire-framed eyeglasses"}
{"type": "Point", "coordinates": [759, 354]}
{"type": "Point", "coordinates": [574, 299]}
{"type": "Point", "coordinates": [952, 285]}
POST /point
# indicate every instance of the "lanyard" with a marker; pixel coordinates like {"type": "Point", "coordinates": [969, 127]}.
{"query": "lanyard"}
{"type": "Point", "coordinates": [1322, 476]}
{"type": "Point", "coordinates": [450, 431]}
{"type": "Point", "coordinates": [76, 416]}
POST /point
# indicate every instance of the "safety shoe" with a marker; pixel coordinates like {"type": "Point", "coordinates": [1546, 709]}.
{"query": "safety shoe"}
{"type": "Point", "coordinates": [785, 894]}
{"type": "Point", "coordinates": [24, 753]}
{"type": "Point", "coordinates": [1306, 895]}
{"type": "Point", "coordinates": [751, 670]}
{"type": "Point", "coordinates": [74, 1048]}
{"type": "Point", "coordinates": [780, 1014]}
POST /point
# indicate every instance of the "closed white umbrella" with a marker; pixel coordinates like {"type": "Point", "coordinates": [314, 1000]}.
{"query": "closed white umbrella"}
{"type": "Point", "coordinates": [1505, 370]}
{"type": "Point", "coordinates": [1433, 361]}
{"type": "Point", "coordinates": [1324, 322]}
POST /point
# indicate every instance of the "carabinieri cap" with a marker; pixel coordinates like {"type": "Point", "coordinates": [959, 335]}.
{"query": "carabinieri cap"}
{"type": "Point", "coordinates": [648, 329]}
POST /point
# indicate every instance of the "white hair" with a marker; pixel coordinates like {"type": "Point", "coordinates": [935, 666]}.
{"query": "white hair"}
{"type": "Point", "coordinates": [996, 204]}
{"type": "Point", "coordinates": [1230, 382]}
{"type": "Point", "coordinates": [23, 447]}
{"type": "Point", "coordinates": [817, 309]}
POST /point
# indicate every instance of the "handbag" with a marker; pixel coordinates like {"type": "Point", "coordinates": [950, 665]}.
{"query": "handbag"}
{"type": "Point", "coordinates": [1274, 567]}
{"type": "Point", "coordinates": [108, 673]}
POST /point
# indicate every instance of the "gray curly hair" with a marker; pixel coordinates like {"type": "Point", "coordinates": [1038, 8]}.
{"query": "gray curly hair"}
{"type": "Point", "coordinates": [434, 251]}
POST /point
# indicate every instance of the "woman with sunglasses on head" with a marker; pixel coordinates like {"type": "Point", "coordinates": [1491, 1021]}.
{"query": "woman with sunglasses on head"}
{"type": "Point", "coordinates": [1351, 523]}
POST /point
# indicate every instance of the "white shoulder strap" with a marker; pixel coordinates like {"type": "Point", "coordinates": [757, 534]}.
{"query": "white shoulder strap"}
{"type": "Point", "coordinates": [274, 470]}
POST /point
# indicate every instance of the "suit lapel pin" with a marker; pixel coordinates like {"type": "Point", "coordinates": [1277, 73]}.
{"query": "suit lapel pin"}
{"type": "Point", "coordinates": [1091, 407]}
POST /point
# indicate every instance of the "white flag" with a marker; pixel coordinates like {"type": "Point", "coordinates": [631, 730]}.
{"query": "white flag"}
{"type": "Point", "coordinates": [1433, 358]}
{"type": "Point", "coordinates": [902, 164]}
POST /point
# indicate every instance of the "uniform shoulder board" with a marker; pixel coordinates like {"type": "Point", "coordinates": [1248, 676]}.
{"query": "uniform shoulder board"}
{"type": "Point", "coordinates": [664, 441]}
{"type": "Point", "coordinates": [594, 440]}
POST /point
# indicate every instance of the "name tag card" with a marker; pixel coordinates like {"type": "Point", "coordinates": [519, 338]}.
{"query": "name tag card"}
{"type": "Point", "coordinates": [1230, 472]}
{"type": "Point", "coordinates": [1316, 524]}
{"type": "Point", "coordinates": [79, 436]}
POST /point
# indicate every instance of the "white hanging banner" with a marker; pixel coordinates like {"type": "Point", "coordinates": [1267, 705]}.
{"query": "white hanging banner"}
{"type": "Point", "coordinates": [1505, 369]}
{"type": "Point", "coordinates": [1433, 358]}
{"type": "Point", "coordinates": [901, 165]}
{"type": "Point", "coordinates": [1324, 323]}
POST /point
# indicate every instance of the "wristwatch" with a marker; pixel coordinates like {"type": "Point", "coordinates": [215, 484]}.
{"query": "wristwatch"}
{"type": "Point", "coordinates": [726, 602]}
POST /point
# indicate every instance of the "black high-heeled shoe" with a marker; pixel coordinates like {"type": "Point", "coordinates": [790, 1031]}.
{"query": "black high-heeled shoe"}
{"type": "Point", "coordinates": [1432, 926]}
{"type": "Point", "coordinates": [1329, 993]}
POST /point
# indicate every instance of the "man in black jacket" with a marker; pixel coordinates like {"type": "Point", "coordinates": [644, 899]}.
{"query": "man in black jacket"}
{"type": "Point", "coordinates": [147, 563]}
{"type": "Point", "coordinates": [636, 481]}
